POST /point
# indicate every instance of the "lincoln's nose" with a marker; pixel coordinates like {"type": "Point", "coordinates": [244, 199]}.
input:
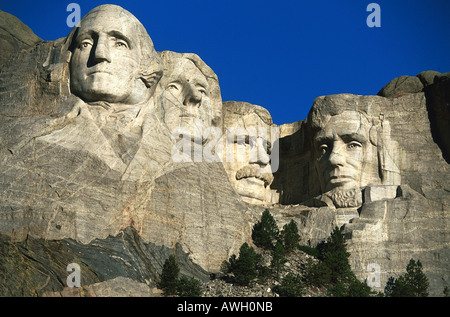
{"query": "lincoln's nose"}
{"type": "Point", "coordinates": [336, 156]}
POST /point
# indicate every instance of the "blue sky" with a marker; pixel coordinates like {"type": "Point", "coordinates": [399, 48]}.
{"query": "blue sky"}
{"type": "Point", "coordinates": [281, 54]}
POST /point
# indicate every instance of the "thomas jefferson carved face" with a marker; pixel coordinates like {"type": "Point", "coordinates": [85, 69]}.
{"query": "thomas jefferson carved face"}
{"type": "Point", "coordinates": [106, 58]}
{"type": "Point", "coordinates": [186, 95]}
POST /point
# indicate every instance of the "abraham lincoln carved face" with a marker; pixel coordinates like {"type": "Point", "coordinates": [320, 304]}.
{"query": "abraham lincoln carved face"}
{"type": "Point", "coordinates": [346, 147]}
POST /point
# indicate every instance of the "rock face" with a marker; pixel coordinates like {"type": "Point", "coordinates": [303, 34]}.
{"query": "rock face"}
{"type": "Point", "coordinates": [77, 165]}
{"type": "Point", "coordinates": [117, 165]}
{"type": "Point", "coordinates": [395, 206]}
{"type": "Point", "coordinates": [14, 37]}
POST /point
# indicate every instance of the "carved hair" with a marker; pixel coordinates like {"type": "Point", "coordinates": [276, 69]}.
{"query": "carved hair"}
{"type": "Point", "coordinates": [328, 106]}
{"type": "Point", "coordinates": [244, 108]}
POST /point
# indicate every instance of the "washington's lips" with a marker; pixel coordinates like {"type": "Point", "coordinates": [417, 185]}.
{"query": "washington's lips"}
{"type": "Point", "coordinates": [98, 71]}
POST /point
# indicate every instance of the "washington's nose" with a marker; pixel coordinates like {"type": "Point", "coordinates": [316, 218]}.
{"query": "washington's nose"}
{"type": "Point", "coordinates": [102, 53]}
{"type": "Point", "coordinates": [192, 97]}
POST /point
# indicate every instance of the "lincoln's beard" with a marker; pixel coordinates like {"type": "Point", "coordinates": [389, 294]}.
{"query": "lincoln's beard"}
{"type": "Point", "coordinates": [345, 198]}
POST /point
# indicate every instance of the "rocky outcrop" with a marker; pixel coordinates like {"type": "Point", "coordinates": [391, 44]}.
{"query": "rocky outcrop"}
{"type": "Point", "coordinates": [411, 84]}
{"type": "Point", "coordinates": [88, 173]}
{"type": "Point", "coordinates": [39, 267]}
{"type": "Point", "coordinates": [14, 37]}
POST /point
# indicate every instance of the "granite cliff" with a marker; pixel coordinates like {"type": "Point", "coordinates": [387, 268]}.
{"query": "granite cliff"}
{"type": "Point", "coordinates": [107, 173]}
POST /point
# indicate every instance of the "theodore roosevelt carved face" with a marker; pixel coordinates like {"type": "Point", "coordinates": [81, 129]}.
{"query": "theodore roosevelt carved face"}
{"type": "Point", "coordinates": [113, 58]}
{"type": "Point", "coordinates": [247, 130]}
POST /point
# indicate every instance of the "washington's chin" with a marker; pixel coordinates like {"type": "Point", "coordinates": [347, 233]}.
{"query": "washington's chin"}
{"type": "Point", "coordinates": [103, 87]}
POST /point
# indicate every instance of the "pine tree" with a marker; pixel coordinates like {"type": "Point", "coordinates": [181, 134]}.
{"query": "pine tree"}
{"type": "Point", "coordinates": [289, 236]}
{"type": "Point", "coordinates": [336, 242]}
{"type": "Point", "coordinates": [291, 286]}
{"type": "Point", "coordinates": [334, 270]}
{"type": "Point", "coordinates": [317, 274]}
{"type": "Point", "coordinates": [336, 257]}
{"type": "Point", "coordinates": [417, 279]}
{"type": "Point", "coordinates": [278, 257]}
{"type": "Point", "coordinates": [414, 283]}
{"type": "Point", "coordinates": [356, 288]}
{"type": "Point", "coordinates": [169, 276]}
{"type": "Point", "coordinates": [245, 267]}
{"type": "Point", "coordinates": [339, 265]}
{"type": "Point", "coordinates": [389, 288]}
{"type": "Point", "coordinates": [265, 232]}
{"type": "Point", "coordinates": [188, 287]}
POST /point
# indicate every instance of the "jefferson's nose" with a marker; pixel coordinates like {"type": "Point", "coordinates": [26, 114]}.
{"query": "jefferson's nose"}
{"type": "Point", "coordinates": [102, 53]}
{"type": "Point", "coordinates": [192, 97]}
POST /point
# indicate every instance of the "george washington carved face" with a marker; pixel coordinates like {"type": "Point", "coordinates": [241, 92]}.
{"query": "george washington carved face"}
{"type": "Point", "coordinates": [108, 57]}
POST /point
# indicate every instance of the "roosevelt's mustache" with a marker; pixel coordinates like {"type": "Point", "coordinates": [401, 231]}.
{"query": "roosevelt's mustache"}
{"type": "Point", "coordinates": [254, 170]}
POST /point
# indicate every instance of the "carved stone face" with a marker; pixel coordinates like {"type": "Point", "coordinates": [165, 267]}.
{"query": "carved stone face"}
{"type": "Point", "coordinates": [106, 59]}
{"type": "Point", "coordinates": [344, 154]}
{"type": "Point", "coordinates": [246, 156]}
{"type": "Point", "coordinates": [186, 95]}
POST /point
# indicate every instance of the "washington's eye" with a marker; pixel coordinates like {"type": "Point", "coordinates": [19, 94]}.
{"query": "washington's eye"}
{"type": "Point", "coordinates": [323, 148]}
{"type": "Point", "coordinates": [121, 44]}
{"type": "Point", "coordinates": [353, 145]}
{"type": "Point", "coordinates": [85, 44]}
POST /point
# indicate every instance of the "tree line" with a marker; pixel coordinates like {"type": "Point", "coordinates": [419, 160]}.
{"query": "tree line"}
{"type": "Point", "coordinates": [329, 270]}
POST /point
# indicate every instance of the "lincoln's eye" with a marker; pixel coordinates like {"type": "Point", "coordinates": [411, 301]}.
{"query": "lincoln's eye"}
{"type": "Point", "coordinates": [353, 145]}
{"type": "Point", "coordinates": [323, 148]}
